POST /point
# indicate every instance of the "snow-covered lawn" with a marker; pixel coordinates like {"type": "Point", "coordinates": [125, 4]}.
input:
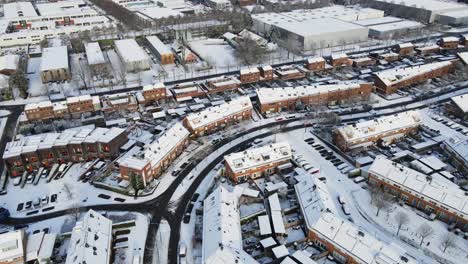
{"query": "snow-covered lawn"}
{"type": "Point", "coordinates": [216, 52]}
{"type": "Point", "coordinates": [161, 247]}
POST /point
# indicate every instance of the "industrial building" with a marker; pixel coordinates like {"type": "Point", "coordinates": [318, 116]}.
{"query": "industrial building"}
{"type": "Point", "coordinates": [91, 240]}
{"type": "Point", "coordinates": [133, 57]}
{"type": "Point", "coordinates": [218, 117]}
{"type": "Point", "coordinates": [77, 144]}
{"type": "Point", "coordinates": [426, 11]}
{"type": "Point", "coordinates": [274, 100]}
{"type": "Point", "coordinates": [366, 133]}
{"type": "Point", "coordinates": [385, 27]}
{"type": "Point", "coordinates": [428, 193]}
{"type": "Point", "coordinates": [155, 158]}
{"type": "Point", "coordinates": [316, 28]}
{"type": "Point", "coordinates": [257, 162]}
{"type": "Point", "coordinates": [54, 64]}
{"type": "Point", "coordinates": [391, 80]}
{"type": "Point", "coordinates": [160, 50]}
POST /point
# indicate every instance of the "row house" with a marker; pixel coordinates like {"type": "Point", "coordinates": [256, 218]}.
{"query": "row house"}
{"type": "Point", "coordinates": [316, 64]}
{"type": "Point", "coordinates": [458, 106]}
{"type": "Point", "coordinates": [266, 73]}
{"type": "Point", "coordinates": [367, 133]}
{"type": "Point", "coordinates": [154, 92]}
{"type": "Point", "coordinates": [457, 150]}
{"type": "Point", "coordinates": [339, 60]}
{"type": "Point", "coordinates": [363, 62]}
{"type": "Point", "coordinates": [187, 91]}
{"type": "Point", "coordinates": [404, 49]}
{"type": "Point", "coordinates": [78, 144]}
{"type": "Point", "coordinates": [389, 56]}
{"type": "Point", "coordinates": [430, 194]}
{"type": "Point", "coordinates": [119, 102]}
{"type": "Point", "coordinates": [220, 84]}
{"type": "Point", "coordinates": [448, 43]}
{"type": "Point", "coordinates": [256, 163]}
{"type": "Point", "coordinates": [427, 50]}
{"type": "Point", "coordinates": [389, 81]}
{"type": "Point", "coordinates": [83, 104]}
{"type": "Point", "coordinates": [274, 100]}
{"type": "Point", "coordinates": [218, 117]}
{"type": "Point", "coordinates": [151, 161]}
{"type": "Point", "coordinates": [250, 75]}
{"type": "Point", "coordinates": [289, 73]}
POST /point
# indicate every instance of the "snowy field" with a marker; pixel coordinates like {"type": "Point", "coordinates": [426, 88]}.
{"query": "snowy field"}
{"type": "Point", "coordinates": [216, 52]}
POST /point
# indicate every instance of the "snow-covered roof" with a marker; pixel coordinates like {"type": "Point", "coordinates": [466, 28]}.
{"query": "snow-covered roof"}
{"type": "Point", "coordinates": [303, 257]}
{"type": "Point", "coordinates": [54, 58]}
{"type": "Point", "coordinates": [463, 56]}
{"type": "Point", "coordinates": [264, 224]}
{"type": "Point", "coordinates": [405, 45]}
{"type": "Point", "coordinates": [377, 21]}
{"type": "Point", "coordinates": [42, 104]}
{"type": "Point", "coordinates": [280, 251]}
{"type": "Point", "coordinates": [63, 7]}
{"type": "Point", "coordinates": [130, 51]}
{"type": "Point", "coordinates": [222, 234]}
{"type": "Point", "coordinates": [90, 240]}
{"type": "Point", "coordinates": [399, 25]}
{"type": "Point", "coordinates": [382, 125]}
{"type": "Point", "coordinates": [252, 158]}
{"type": "Point", "coordinates": [271, 95]}
{"type": "Point", "coordinates": [39, 246]}
{"type": "Point", "coordinates": [219, 112]}
{"type": "Point", "coordinates": [77, 135]}
{"type": "Point", "coordinates": [461, 101]}
{"type": "Point", "coordinates": [313, 197]}
{"type": "Point", "coordinates": [94, 53]}
{"type": "Point", "coordinates": [156, 12]}
{"type": "Point", "coordinates": [315, 59]}
{"type": "Point", "coordinates": [19, 9]}
{"type": "Point", "coordinates": [431, 5]}
{"type": "Point", "coordinates": [249, 71]}
{"type": "Point", "coordinates": [458, 146]}
{"type": "Point", "coordinates": [158, 45]}
{"type": "Point", "coordinates": [11, 245]}
{"type": "Point", "coordinates": [9, 62]}
{"type": "Point", "coordinates": [268, 242]}
{"type": "Point", "coordinates": [396, 75]}
{"type": "Point", "coordinates": [450, 39]}
{"type": "Point", "coordinates": [355, 242]}
{"type": "Point", "coordinates": [155, 152]}
{"type": "Point", "coordinates": [440, 192]}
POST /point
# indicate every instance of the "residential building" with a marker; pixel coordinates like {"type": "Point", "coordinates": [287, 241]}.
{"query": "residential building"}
{"type": "Point", "coordinates": [39, 111]}
{"type": "Point", "coordinates": [340, 59]}
{"type": "Point", "coordinates": [133, 57]}
{"type": "Point", "coordinates": [119, 102]}
{"type": "Point", "coordinates": [367, 133]}
{"type": "Point", "coordinates": [257, 162]}
{"type": "Point", "coordinates": [83, 103]}
{"type": "Point", "coordinates": [458, 106]}
{"type": "Point", "coordinates": [449, 42]}
{"type": "Point", "coordinates": [12, 247]}
{"type": "Point", "coordinates": [54, 64]}
{"type": "Point", "coordinates": [363, 62]}
{"type": "Point", "coordinates": [222, 234]}
{"type": "Point", "coordinates": [404, 49]}
{"type": "Point", "coordinates": [389, 81]}
{"type": "Point", "coordinates": [315, 64]}
{"type": "Point", "coordinates": [76, 144]}
{"type": "Point", "coordinates": [389, 56]}
{"type": "Point", "coordinates": [72, 106]}
{"type": "Point", "coordinates": [91, 240]}
{"type": "Point", "coordinates": [274, 100]}
{"type": "Point", "coordinates": [457, 149]}
{"type": "Point", "coordinates": [160, 50]}
{"type": "Point", "coordinates": [219, 4]}
{"type": "Point", "coordinates": [426, 50]}
{"type": "Point", "coordinates": [266, 73]}
{"type": "Point", "coordinates": [218, 117]}
{"type": "Point", "coordinates": [9, 64]}
{"type": "Point", "coordinates": [289, 73]}
{"type": "Point", "coordinates": [187, 91]}
{"type": "Point", "coordinates": [250, 75]}
{"type": "Point", "coordinates": [427, 193]}
{"type": "Point", "coordinates": [96, 61]}
{"type": "Point", "coordinates": [150, 162]}
{"type": "Point", "coordinates": [221, 84]}
{"type": "Point", "coordinates": [154, 92]}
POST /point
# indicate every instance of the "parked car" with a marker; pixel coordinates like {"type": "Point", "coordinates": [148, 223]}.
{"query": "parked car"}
{"type": "Point", "coordinates": [359, 179]}
{"type": "Point", "coordinates": [4, 214]}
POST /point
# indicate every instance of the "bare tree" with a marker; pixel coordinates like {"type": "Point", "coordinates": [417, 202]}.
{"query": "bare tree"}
{"type": "Point", "coordinates": [424, 231]}
{"type": "Point", "coordinates": [401, 219]}
{"type": "Point", "coordinates": [448, 241]}
{"type": "Point", "coordinates": [82, 74]}
{"type": "Point", "coordinates": [74, 211]}
{"type": "Point", "coordinates": [249, 51]}
{"type": "Point", "coordinates": [380, 199]}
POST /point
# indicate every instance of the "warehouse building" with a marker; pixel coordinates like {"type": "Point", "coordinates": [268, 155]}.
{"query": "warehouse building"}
{"type": "Point", "coordinates": [274, 100]}
{"type": "Point", "coordinates": [316, 28]}
{"type": "Point", "coordinates": [222, 234]}
{"type": "Point", "coordinates": [389, 81]}
{"type": "Point", "coordinates": [394, 29]}
{"type": "Point", "coordinates": [133, 57]}
{"type": "Point", "coordinates": [78, 144]}
{"type": "Point", "coordinates": [91, 240]}
{"type": "Point", "coordinates": [218, 117]}
{"type": "Point", "coordinates": [155, 158]}
{"type": "Point", "coordinates": [387, 128]}
{"type": "Point", "coordinates": [428, 193]}
{"type": "Point", "coordinates": [426, 11]}
{"type": "Point", "coordinates": [160, 50]}
{"type": "Point", "coordinates": [257, 162]}
{"type": "Point", "coordinates": [54, 64]}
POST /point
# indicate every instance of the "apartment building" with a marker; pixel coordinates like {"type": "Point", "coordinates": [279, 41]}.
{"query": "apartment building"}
{"type": "Point", "coordinates": [427, 193]}
{"type": "Point", "coordinates": [274, 100]}
{"type": "Point", "coordinates": [154, 92]}
{"type": "Point", "coordinates": [151, 161]}
{"type": "Point", "coordinates": [250, 75]}
{"type": "Point", "coordinates": [387, 128]}
{"type": "Point", "coordinates": [160, 50]}
{"type": "Point", "coordinates": [256, 163]}
{"type": "Point", "coordinates": [54, 64]}
{"type": "Point", "coordinates": [77, 144]}
{"type": "Point", "coordinates": [218, 117]}
{"type": "Point", "coordinates": [316, 64]}
{"type": "Point", "coordinates": [220, 84]}
{"type": "Point", "coordinates": [389, 81]}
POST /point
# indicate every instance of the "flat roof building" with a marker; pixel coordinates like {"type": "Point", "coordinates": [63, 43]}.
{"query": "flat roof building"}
{"type": "Point", "coordinates": [458, 106]}
{"type": "Point", "coordinates": [164, 53]}
{"type": "Point", "coordinates": [367, 133]}
{"type": "Point", "coordinates": [254, 163]}
{"type": "Point", "coordinates": [132, 55]}
{"type": "Point", "coordinates": [91, 240]}
{"type": "Point", "coordinates": [218, 117]}
{"type": "Point", "coordinates": [458, 150]}
{"type": "Point", "coordinates": [54, 64]}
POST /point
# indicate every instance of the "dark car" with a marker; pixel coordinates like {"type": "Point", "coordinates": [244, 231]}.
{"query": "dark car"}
{"type": "Point", "coordinates": [4, 214]}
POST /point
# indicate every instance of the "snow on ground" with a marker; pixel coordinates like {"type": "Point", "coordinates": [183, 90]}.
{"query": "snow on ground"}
{"type": "Point", "coordinates": [161, 247]}
{"type": "Point", "coordinates": [458, 254]}
{"type": "Point", "coordinates": [216, 52]}
{"type": "Point", "coordinates": [35, 84]}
